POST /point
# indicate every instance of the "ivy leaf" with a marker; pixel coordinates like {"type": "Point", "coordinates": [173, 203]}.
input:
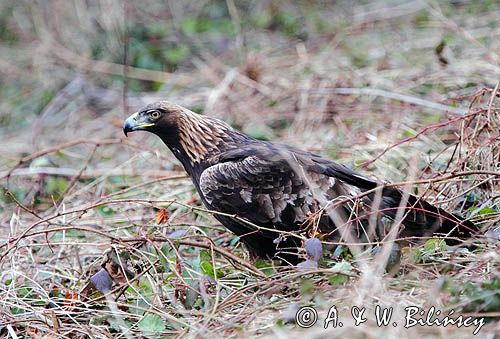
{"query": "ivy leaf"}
{"type": "Point", "coordinates": [152, 323]}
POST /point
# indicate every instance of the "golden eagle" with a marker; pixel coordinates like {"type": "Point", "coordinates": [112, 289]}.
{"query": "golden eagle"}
{"type": "Point", "coordinates": [267, 193]}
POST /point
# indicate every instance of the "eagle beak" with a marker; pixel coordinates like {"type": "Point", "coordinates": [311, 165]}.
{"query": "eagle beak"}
{"type": "Point", "coordinates": [134, 123]}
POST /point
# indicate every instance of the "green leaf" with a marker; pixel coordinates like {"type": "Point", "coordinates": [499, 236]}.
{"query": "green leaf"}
{"type": "Point", "coordinates": [176, 54]}
{"type": "Point", "coordinates": [152, 323]}
{"type": "Point", "coordinates": [343, 267]}
{"type": "Point", "coordinates": [265, 266]}
{"type": "Point", "coordinates": [119, 324]}
{"type": "Point", "coordinates": [416, 255]}
{"type": "Point", "coordinates": [137, 306]}
{"type": "Point", "coordinates": [205, 256]}
{"type": "Point", "coordinates": [487, 210]}
{"type": "Point", "coordinates": [145, 285]}
{"type": "Point", "coordinates": [17, 310]}
{"type": "Point", "coordinates": [338, 279]}
{"type": "Point", "coordinates": [166, 251]}
{"type": "Point", "coordinates": [56, 186]}
{"type": "Point", "coordinates": [435, 245]}
{"type": "Point", "coordinates": [25, 292]}
{"type": "Point", "coordinates": [105, 210]}
{"type": "Point", "coordinates": [440, 47]}
{"type": "Point", "coordinates": [483, 211]}
{"type": "Point", "coordinates": [116, 179]}
{"type": "Point", "coordinates": [409, 133]}
{"type": "Point", "coordinates": [208, 269]}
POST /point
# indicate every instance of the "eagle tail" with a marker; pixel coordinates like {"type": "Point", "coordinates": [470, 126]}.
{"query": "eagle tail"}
{"type": "Point", "coordinates": [421, 219]}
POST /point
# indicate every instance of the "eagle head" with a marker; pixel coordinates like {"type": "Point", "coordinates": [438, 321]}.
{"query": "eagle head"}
{"type": "Point", "coordinates": [191, 137]}
{"type": "Point", "coordinates": [159, 118]}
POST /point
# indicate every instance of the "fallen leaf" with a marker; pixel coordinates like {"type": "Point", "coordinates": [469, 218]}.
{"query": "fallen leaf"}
{"type": "Point", "coordinates": [102, 281]}
{"type": "Point", "coordinates": [70, 297]}
{"type": "Point", "coordinates": [313, 249]}
{"type": "Point", "coordinates": [115, 272]}
{"type": "Point", "coordinates": [162, 216]}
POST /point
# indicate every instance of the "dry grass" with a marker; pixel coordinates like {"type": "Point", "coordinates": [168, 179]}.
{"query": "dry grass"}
{"type": "Point", "coordinates": [370, 90]}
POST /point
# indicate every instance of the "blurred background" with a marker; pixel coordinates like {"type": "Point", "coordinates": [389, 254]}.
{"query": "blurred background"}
{"type": "Point", "coordinates": [345, 79]}
{"type": "Point", "coordinates": [268, 67]}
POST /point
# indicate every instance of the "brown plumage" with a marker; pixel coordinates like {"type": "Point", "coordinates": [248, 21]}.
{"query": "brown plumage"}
{"type": "Point", "coordinates": [276, 191]}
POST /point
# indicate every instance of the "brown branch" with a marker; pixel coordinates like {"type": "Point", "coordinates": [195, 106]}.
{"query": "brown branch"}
{"type": "Point", "coordinates": [210, 246]}
{"type": "Point", "coordinates": [76, 177]}
{"type": "Point", "coordinates": [13, 197]}
{"type": "Point", "coordinates": [59, 147]}
{"type": "Point", "coordinates": [423, 131]}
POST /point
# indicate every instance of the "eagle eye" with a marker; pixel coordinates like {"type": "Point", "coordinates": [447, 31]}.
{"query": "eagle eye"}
{"type": "Point", "coordinates": [154, 114]}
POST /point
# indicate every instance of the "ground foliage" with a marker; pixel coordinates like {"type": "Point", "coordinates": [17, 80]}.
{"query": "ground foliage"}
{"type": "Point", "coordinates": [403, 91]}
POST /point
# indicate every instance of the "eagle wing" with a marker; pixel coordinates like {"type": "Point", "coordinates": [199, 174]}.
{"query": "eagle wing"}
{"type": "Point", "coordinates": [254, 186]}
{"type": "Point", "coordinates": [275, 186]}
